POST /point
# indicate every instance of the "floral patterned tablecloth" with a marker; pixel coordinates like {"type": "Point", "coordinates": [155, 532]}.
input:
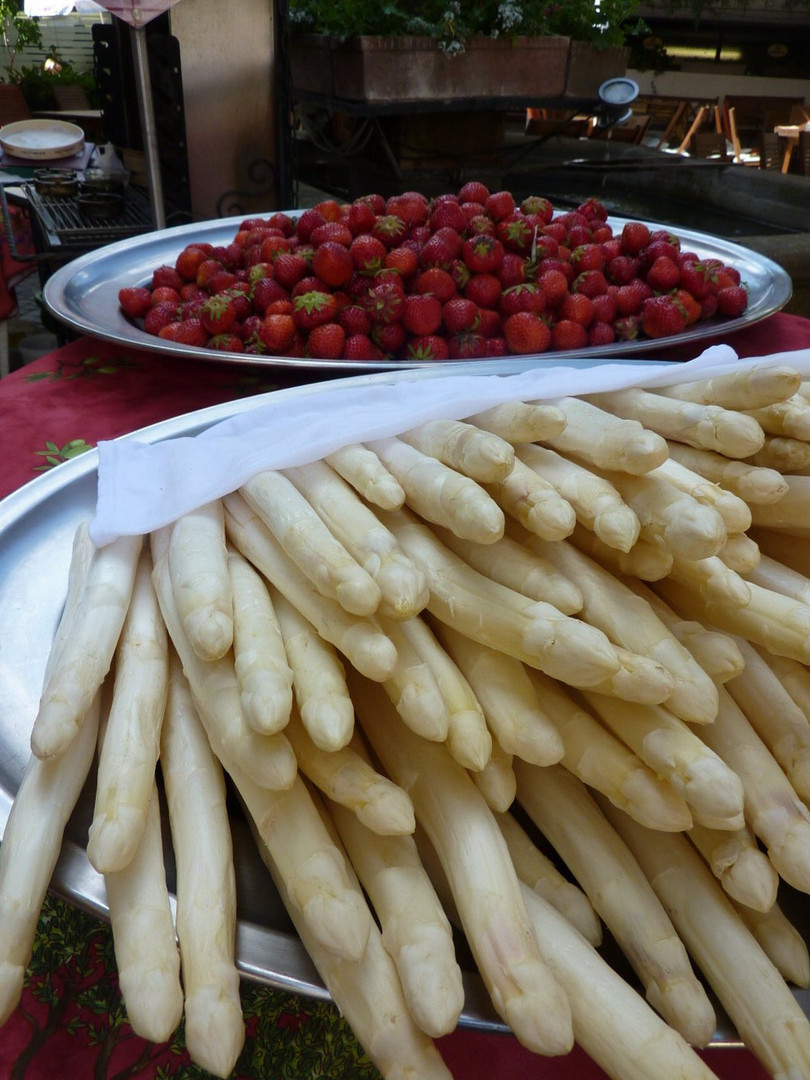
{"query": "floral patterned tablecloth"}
{"type": "Point", "coordinates": [71, 1024]}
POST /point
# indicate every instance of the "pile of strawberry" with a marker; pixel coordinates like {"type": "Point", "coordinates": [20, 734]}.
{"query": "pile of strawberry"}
{"type": "Point", "coordinates": [460, 276]}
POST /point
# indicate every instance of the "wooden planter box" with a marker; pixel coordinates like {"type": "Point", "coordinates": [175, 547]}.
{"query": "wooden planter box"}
{"type": "Point", "coordinates": [401, 69]}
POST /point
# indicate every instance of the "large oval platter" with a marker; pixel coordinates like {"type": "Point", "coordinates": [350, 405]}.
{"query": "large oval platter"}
{"type": "Point", "coordinates": [83, 294]}
{"type": "Point", "coordinates": [37, 524]}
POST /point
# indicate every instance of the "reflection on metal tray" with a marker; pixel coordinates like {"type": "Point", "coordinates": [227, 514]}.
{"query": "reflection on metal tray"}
{"type": "Point", "coordinates": [63, 217]}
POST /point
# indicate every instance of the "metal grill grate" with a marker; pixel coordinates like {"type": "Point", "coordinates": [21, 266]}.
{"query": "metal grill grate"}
{"type": "Point", "coordinates": [63, 218]}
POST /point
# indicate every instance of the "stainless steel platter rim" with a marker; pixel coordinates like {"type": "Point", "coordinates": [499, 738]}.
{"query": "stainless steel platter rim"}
{"type": "Point", "coordinates": [83, 294]}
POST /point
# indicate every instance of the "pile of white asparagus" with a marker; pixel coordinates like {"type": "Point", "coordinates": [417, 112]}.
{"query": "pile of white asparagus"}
{"type": "Point", "coordinates": [579, 625]}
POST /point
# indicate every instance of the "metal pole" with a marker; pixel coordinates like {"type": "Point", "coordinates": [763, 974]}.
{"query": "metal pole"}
{"type": "Point", "coordinates": [146, 109]}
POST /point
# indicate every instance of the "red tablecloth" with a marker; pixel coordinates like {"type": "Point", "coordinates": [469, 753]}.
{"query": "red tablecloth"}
{"type": "Point", "coordinates": [70, 1023]}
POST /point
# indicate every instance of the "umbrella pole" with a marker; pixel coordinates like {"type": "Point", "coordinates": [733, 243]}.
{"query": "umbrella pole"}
{"type": "Point", "coordinates": [146, 109]}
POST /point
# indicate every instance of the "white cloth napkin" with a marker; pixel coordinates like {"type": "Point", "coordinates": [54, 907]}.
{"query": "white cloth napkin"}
{"type": "Point", "coordinates": [143, 486]}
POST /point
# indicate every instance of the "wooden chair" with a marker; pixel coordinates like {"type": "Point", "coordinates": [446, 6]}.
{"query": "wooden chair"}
{"type": "Point", "coordinates": [710, 144]}
{"type": "Point", "coordinates": [13, 106]}
{"type": "Point", "coordinates": [770, 152]}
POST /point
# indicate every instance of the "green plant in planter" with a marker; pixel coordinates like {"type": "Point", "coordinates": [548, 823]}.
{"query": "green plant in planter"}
{"type": "Point", "coordinates": [37, 83]}
{"type": "Point", "coordinates": [19, 30]}
{"type": "Point", "coordinates": [452, 23]}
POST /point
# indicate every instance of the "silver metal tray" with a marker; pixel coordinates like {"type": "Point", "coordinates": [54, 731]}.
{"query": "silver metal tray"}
{"type": "Point", "coordinates": [37, 524]}
{"type": "Point", "coordinates": [83, 294]}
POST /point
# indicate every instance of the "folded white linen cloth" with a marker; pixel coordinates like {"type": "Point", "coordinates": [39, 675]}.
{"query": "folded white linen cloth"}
{"type": "Point", "coordinates": [144, 485]}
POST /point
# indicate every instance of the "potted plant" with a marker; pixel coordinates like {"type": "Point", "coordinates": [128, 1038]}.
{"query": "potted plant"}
{"type": "Point", "coordinates": [19, 31]}
{"type": "Point", "coordinates": [444, 49]}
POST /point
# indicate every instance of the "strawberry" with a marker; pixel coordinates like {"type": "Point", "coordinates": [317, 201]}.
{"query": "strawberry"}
{"type": "Point", "coordinates": [354, 319]}
{"type": "Point", "coordinates": [437, 281]}
{"type": "Point", "coordinates": [622, 269]}
{"type": "Point", "coordinates": [695, 278]}
{"type": "Point", "coordinates": [526, 332]}
{"type": "Point", "coordinates": [460, 314]}
{"type": "Point", "coordinates": [422, 314]}
{"type": "Point", "coordinates": [604, 308]}
{"type": "Point", "coordinates": [390, 337]}
{"type": "Point", "coordinates": [218, 314]}
{"type": "Point", "coordinates": [283, 222]}
{"type": "Point", "coordinates": [360, 347]}
{"type": "Point", "coordinates": [326, 341]}
{"type": "Point", "coordinates": [484, 290]}
{"type": "Point", "coordinates": [601, 333]}
{"type": "Point", "coordinates": [311, 309]}
{"type": "Point", "coordinates": [427, 347]}
{"type": "Point", "coordinates": [590, 283]}
{"type": "Point", "coordinates": [334, 232]}
{"type": "Point", "coordinates": [228, 342]}
{"type": "Point", "coordinates": [630, 297]}
{"type": "Point", "coordinates": [135, 301]}
{"type": "Point", "coordinates": [220, 281]}
{"type": "Point", "coordinates": [460, 273]}
{"type": "Point", "coordinates": [587, 257]}
{"type": "Point", "coordinates": [474, 191]}
{"type": "Point", "coordinates": [593, 209]}
{"type": "Point", "coordinates": [525, 297]}
{"type": "Point", "coordinates": [515, 232]}
{"type": "Point", "coordinates": [567, 334]}
{"type": "Point", "coordinates": [360, 217]}
{"type": "Point", "coordinates": [662, 316]}
{"type": "Point", "coordinates": [307, 222]}
{"type": "Point", "coordinates": [447, 215]}
{"type": "Point", "coordinates": [289, 268]}
{"type": "Point", "coordinates": [663, 274]}
{"type": "Point", "coordinates": [439, 251]}
{"type": "Point", "coordinates": [272, 246]}
{"type": "Point", "coordinates": [167, 276]}
{"type": "Point", "coordinates": [500, 204]}
{"type": "Point", "coordinates": [191, 291]}
{"type": "Point", "coordinates": [634, 236]}
{"type": "Point", "coordinates": [708, 306]}
{"type": "Point", "coordinates": [554, 284]}
{"type": "Point", "coordinates": [482, 254]}
{"type": "Point", "coordinates": [390, 229]}
{"type": "Point", "coordinates": [537, 206]}
{"type": "Point", "coordinates": [691, 306]}
{"type": "Point", "coordinates": [265, 292]}
{"type": "Point", "coordinates": [512, 270]}
{"type": "Point", "coordinates": [578, 308]}
{"type": "Point", "coordinates": [411, 206]}
{"type": "Point", "coordinates": [333, 263]}
{"type": "Point", "coordinates": [489, 322]}
{"type": "Point", "coordinates": [627, 327]}
{"type": "Point", "coordinates": [544, 247]}
{"type": "Point", "coordinates": [468, 345]}
{"type": "Point", "coordinates": [478, 222]}
{"type": "Point", "coordinates": [185, 332]}
{"type": "Point", "coordinates": [384, 303]}
{"type": "Point", "coordinates": [188, 261]}
{"type": "Point", "coordinates": [330, 208]}
{"type": "Point", "coordinates": [404, 260]}
{"type": "Point", "coordinates": [159, 316]}
{"type": "Point", "coordinates": [732, 300]}
{"type": "Point", "coordinates": [276, 333]}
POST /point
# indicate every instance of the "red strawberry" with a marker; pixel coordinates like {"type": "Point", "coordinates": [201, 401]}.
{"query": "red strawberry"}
{"type": "Point", "coordinates": [478, 223]}
{"type": "Point", "coordinates": [135, 301]}
{"type": "Point", "coordinates": [354, 319]}
{"type": "Point", "coordinates": [427, 347]}
{"type": "Point", "coordinates": [526, 333]}
{"type": "Point", "coordinates": [390, 337]}
{"type": "Point", "coordinates": [662, 316]}
{"type": "Point", "coordinates": [627, 327]}
{"type": "Point", "coordinates": [360, 347]}
{"type": "Point", "coordinates": [411, 206]}
{"type": "Point", "coordinates": [226, 343]}
{"type": "Point", "coordinates": [390, 229]}
{"type": "Point", "coordinates": [578, 308]}
{"type": "Point", "coordinates": [500, 204]}
{"type": "Point", "coordinates": [732, 300]}
{"type": "Point", "coordinates": [265, 292]}
{"type": "Point", "coordinates": [630, 297]}
{"type": "Point", "coordinates": [185, 332]}
{"type": "Point", "coordinates": [334, 232]}
{"type": "Point", "coordinates": [622, 269]}
{"type": "Point", "coordinates": [512, 270]}
{"type": "Point", "coordinates": [384, 303]}
{"type": "Point", "coordinates": [468, 345]}
{"type": "Point", "coordinates": [333, 263]}
{"type": "Point", "coordinates": [593, 209]}
{"type": "Point", "coordinates": [460, 314]}
{"type": "Point", "coordinates": [525, 297]}
{"type": "Point", "coordinates": [601, 333]}
{"type": "Point", "coordinates": [516, 233]}
{"type": "Point", "coordinates": [635, 236]}
{"type": "Point", "coordinates": [404, 260]}
{"type": "Point", "coordinates": [276, 333]}
{"type": "Point", "coordinates": [695, 278]}
{"type": "Point", "coordinates": [483, 254]}
{"type": "Point", "coordinates": [554, 284]}
{"type": "Point", "coordinates": [326, 341]}
{"type": "Point", "coordinates": [474, 191]}
{"type": "Point", "coordinates": [587, 257]}
{"type": "Point", "coordinates": [437, 281]}
{"type": "Point", "coordinates": [437, 251]}
{"type": "Point", "coordinates": [489, 322]}
{"type": "Point", "coordinates": [188, 261]}
{"type": "Point", "coordinates": [484, 290]}
{"type": "Point", "coordinates": [538, 207]}
{"type": "Point", "coordinates": [311, 309]}
{"type": "Point", "coordinates": [169, 277]}
{"type": "Point", "coordinates": [691, 306]}
{"type": "Point", "coordinates": [289, 268]}
{"type": "Point", "coordinates": [663, 274]}
{"type": "Point", "coordinates": [164, 294]}
{"type": "Point", "coordinates": [590, 283]}
{"type": "Point", "coordinates": [272, 246]}
{"type": "Point", "coordinates": [159, 316]}
{"type": "Point", "coordinates": [218, 314]}
{"type": "Point", "coordinates": [422, 314]}
{"type": "Point", "coordinates": [360, 217]}
{"type": "Point", "coordinates": [567, 334]}
{"type": "Point", "coordinates": [448, 215]}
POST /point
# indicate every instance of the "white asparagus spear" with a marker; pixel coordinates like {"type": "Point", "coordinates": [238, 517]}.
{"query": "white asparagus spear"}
{"type": "Point", "coordinates": [541, 875]}
{"type": "Point", "coordinates": [31, 844]}
{"type": "Point", "coordinates": [413, 688]}
{"type": "Point", "coordinates": [570, 819]}
{"type": "Point", "coordinates": [748, 388]}
{"type": "Point", "coordinates": [508, 698]}
{"type": "Point", "coordinates": [440, 494]}
{"type": "Point", "coordinates": [712, 790]}
{"type": "Point", "coordinates": [484, 885]}
{"type": "Point", "coordinates": [260, 661]}
{"type": "Point", "coordinates": [630, 621]}
{"type": "Point", "coordinates": [739, 864]}
{"type": "Point", "coordinates": [468, 738]}
{"type": "Point", "coordinates": [521, 421]}
{"type": "Point", "coordinates": [789, 418]}
{"type": "Point", "coordinates": [712, 578]}
{"type": "Point", "coordinates": [415, 929]}
{"type": "Point", "coordinates": [606, 764]}
{"type": "Point", "coordinates": [496, 781]}
{"type": "Point", "coordinates": [206, 885]}
{"type": "Point", "coordinates": [645, 560]}
{"type": "Point", "coordinates": [608, 442]}
{"type": "Point", "coordinates": [534, 502]}
{"type": "Point", "coordinates": [87, 641]}
{"type": "Point", "coordinates": [269, 759]}
{"type": "Point", "coordinates": [319, 679]}
{"type": "Point", "coordinates": [139, 910]}
{"type": "Point", "coordinates": [368, 993]}
{"type": "Point", "coordinates": [734, 511]}
{"type": "Point", "coordinates": [709, 426]}
{"type": "Point", "coordinates": [763, 1010]}
{"type": "Point", "coordinates": [752, 483]}
{"type": "Point", "coordinates": [794, 677]}
{"type": "Point", "coordinates": [790, 512]}
{"type": "Point", "coordinates": [402, 585]}
{"type": "Point", "coordinates": [597, 504]}
{"type": "Point", "coordinates": [349, 780]}
{"type": "Point", "coordinates": [510, 563]}
{"type": "Point", "coordinates": [777, 719]}
{"type": "Point", "coordinates": [782, 943]}
{"type": "Point", "coordinates": [783, 548]}
{"type": "Point", "coordinates": [783, 454]}
{"type": "Point", "coordinates": [773, 810]}
{"type": "Point", "coordinates": [775, 575]}
{"type": "Point", "coordinates": [468, 449]}
{"type": "Point", "coordinates": [307, 542]}
{"type": "Point", "coordinates": [363, 470]}
{"type": "Point", "coordinates": [131, 745]}
{"type": "Point", "coordinates": [358, 638]}
{"type": "Point", "coordinates": [199, 575]}
{"type": "Point", "coordinates": [740, 553]}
